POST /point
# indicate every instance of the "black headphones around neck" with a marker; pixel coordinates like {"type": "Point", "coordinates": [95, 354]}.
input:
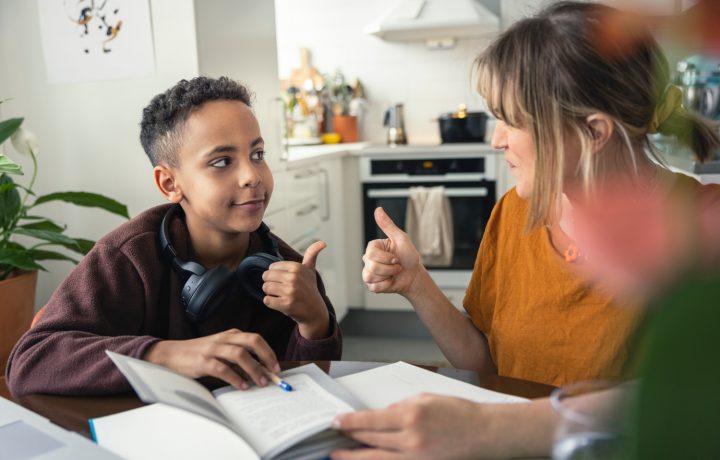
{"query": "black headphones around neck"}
{"type": "Point", "coordinates": [205, 290]}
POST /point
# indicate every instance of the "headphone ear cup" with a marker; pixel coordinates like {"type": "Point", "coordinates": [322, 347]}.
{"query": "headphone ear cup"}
{"type": "Point", "coordinates": [250, 270]}
{"type": "Point", "coordinates": [203, 294]}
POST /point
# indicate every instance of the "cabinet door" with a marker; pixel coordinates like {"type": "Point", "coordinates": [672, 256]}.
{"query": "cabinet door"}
{"type": "Point", "coordinates": [303, 184]}
{"type": "Point", "coordinates": [303, 222]}
{"type": "Point", "coordinates": [277, 223]}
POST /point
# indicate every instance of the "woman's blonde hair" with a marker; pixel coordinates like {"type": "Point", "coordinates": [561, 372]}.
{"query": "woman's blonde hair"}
{"type": "Point", "coordinates": [550, 72]}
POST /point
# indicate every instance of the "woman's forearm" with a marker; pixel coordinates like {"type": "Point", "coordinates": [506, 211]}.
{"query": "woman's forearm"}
{"type": "Point", "coordinates": [454, 333]}
{"type": "Point", "coordinates": [517, 430]}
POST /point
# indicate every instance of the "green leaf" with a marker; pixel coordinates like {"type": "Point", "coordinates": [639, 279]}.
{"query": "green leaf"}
{"type": "Point", "coordinates": [93, 200]}
{"type": "Point", "coordinates": [8, 127]}
{"type": "Point", "coordinates": [10, 205]}
{"type": "Point", "coordinates": [52, 237]}
{"type": "Point", "coordinates": [41, 254]}
{"type": "Point", "coordinates": [46, 225]}
{"type": "Point", "coordinates": [83, 246]}
{"type": "Point", "coordinates": [19, 259]}
{"type": "Point", "coordinates": [12, 245]}
{"type": "Point", "coordinates": [9, 166]}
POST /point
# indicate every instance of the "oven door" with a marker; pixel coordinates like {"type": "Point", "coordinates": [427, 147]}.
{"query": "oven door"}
{"type": "Point", "coordinates": [470, 202]}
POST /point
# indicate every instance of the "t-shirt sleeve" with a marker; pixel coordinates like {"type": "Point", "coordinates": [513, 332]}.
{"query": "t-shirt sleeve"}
{"type": "Point", "coordinates": [64, 353]}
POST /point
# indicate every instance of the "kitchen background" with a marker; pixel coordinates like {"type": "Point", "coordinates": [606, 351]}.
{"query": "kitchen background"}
{"type": "Point", "coordinates": [427, 81]}
{"type": "Point", "coordinates": [88, 131]}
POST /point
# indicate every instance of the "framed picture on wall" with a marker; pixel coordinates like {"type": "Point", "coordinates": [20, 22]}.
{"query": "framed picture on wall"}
{"type": "Point", "coordinates": [87, 40]}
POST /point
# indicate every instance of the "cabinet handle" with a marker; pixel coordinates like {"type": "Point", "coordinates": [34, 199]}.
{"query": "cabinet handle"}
{"type": "Point", "coordinates": [326, 196]}
{"type": "Point", "coordinates": [305, 174]}
{"type": "Point", "coordinates": [405, 192]}
{"type": "Point", "coordinates": [306, 210]}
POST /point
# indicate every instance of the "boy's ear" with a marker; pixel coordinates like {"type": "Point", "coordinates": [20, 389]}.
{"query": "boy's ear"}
{"type": "Point", "coordinates": [166, 182]}
{"type": "Point", "coordinates": [602, 128]}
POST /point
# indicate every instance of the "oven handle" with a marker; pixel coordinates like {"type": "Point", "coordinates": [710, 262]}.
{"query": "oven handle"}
{"type": "Point", "coordinates": [405, 193]}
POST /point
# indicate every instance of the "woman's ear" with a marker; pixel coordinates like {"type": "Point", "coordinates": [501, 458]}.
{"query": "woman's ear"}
{"type": "Point", "coordinates": [601, 128]}
{"type": "Point", "coordinates": [166, 182]}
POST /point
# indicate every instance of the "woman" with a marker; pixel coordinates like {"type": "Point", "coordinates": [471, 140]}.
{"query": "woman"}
{"type": "Point", "coordinates": [576, 97]}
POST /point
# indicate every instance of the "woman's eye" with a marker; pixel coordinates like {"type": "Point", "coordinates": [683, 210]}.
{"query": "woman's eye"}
{"type": "Point", "coordinates": [221, 163]}
{"type": "Point", "coordinates": [258, 155]}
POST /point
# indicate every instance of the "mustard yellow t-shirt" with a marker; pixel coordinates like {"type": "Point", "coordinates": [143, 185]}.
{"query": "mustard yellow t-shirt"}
{"type": "Point", "coordinates": [543, 323]}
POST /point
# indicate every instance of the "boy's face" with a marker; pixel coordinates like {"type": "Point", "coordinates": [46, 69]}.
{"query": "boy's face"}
{"type": "Point", "coordinates": [222, 179]}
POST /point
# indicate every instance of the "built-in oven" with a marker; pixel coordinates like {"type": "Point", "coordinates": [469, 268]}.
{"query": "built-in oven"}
{"type": "Point", "coordinates": [469, 181]}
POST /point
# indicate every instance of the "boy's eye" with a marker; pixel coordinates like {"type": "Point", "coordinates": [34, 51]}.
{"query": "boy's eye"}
{"type": "Point", "coordinates": [220, 163]}
{"type": "Point", "coordinates": [258, 155]}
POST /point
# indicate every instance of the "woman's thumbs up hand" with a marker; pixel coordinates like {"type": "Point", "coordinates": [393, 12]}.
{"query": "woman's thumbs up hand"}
{"type": "Point", "coordinates": [391, 264]}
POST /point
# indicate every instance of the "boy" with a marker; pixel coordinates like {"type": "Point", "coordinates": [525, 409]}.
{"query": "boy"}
{"type": "Point", "coordinates": [128, 294]}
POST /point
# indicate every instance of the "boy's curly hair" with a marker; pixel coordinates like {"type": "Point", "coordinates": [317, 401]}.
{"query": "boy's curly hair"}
{"type": "Point", "coordinates": [164, 117]}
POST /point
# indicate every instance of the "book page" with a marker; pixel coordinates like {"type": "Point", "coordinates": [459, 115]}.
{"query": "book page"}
{"type": "Point", "coordinates": [272, 420]}
{"type": "Point", "coordinates": [159, 431]}
{"type": "Point", "coordinates": [379, 387]}
{"type": "Point", "coordinates": [155, 383]}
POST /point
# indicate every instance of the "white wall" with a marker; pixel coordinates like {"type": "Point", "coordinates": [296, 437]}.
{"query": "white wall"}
{"type": "Point", "coordinates": [428, 82]}
{"type": "Point", "coordinates": [89, 131]}
{"type": "Point", "coordinates": [236, 38]}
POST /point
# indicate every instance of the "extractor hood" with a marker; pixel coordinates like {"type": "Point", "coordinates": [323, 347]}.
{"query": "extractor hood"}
{"type": "Point", "coordinates": [435, 19]}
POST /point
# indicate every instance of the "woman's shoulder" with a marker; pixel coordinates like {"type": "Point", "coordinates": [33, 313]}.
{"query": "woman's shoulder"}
{"type": "Point", "coordinates": [510, 209]}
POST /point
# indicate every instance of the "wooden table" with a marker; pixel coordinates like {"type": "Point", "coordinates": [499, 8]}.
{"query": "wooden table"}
{"type": "Point", "coordinates": [73, 412]}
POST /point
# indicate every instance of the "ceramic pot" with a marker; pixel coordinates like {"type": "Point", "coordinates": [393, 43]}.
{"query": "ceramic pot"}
{"type": "Point", "coordinates": [16, 312]}
{"type": "Point", "coordinates": [346, 126]}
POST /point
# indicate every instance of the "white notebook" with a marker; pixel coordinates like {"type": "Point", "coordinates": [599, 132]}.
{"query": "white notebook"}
{"type": "Point", "coordinates": [191, 422]}
{"type": "Point", "coordinates": [381, 386]}
{"type": "Point", "coordinates": [27, 435]}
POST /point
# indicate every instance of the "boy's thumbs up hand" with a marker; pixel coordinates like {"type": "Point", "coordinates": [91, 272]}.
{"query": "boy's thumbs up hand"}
{"type": "Point", "coordinates": [291, 288]}
{"type": "Point", "coordinates": [392, 264]}
{"type": "Point", "coordinates": [311, 253]}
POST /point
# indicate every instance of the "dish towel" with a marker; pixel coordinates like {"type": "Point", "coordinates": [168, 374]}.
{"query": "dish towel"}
{"type": "Point", "coordinates": [429, 225]}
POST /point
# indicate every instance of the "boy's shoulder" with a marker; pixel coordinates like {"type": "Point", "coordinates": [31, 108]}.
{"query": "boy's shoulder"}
{"type": "Point", "coordinates": [144, 226]}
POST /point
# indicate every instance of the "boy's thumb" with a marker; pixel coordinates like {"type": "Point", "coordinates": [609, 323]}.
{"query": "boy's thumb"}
{"type": "Point", "coordinates": [311, 253]}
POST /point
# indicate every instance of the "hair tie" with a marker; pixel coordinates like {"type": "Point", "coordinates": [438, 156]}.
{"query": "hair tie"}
{"type": "Point", "coordinates": [670, 101]}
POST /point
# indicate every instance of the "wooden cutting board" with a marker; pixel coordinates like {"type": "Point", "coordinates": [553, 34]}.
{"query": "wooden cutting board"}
{"type": "Point", "coordinates": [299, 77]}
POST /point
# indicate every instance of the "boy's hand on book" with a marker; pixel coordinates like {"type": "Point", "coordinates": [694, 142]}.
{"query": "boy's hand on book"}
{"type": "Point", "coordinates": [391, 264]}
{"type": "Point", "coordinates": [218, 356]}
{"type": "Point", "coordinates": [291, 288]}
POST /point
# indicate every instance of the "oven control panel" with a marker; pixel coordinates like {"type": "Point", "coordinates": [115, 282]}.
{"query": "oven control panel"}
{"type": "Point", "coordinates": [429, 168]}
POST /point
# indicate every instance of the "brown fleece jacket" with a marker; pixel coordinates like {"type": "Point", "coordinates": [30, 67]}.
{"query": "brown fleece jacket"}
{"type": "Point", "coordinates": [124, 296]}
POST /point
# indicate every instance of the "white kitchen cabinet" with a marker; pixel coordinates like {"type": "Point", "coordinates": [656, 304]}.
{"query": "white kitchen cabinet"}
{"type": "Point", "coordinates": [311, 212]}
{"type": "Point", "coordinates": [276, 222]}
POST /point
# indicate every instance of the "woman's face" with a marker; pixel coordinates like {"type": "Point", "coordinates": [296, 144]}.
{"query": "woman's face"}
{"type": "Point", "coordinates": [520, 155]}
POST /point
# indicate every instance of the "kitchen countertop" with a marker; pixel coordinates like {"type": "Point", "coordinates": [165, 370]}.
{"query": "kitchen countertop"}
{"type": "Point", "coordinates": [300, 155]}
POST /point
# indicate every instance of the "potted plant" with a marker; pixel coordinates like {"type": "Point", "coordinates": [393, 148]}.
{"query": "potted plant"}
{"type": "Point", "coordinates": [39, 237]}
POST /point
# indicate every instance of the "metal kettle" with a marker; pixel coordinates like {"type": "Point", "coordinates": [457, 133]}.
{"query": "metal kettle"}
{"type": "Point", "coordinates": [394, 121]}
{"type": "Point", "coordinates": [701, 91]}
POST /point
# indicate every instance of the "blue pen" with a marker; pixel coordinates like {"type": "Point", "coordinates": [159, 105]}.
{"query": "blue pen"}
{"type": "Point", "coordinates": [278, 381]}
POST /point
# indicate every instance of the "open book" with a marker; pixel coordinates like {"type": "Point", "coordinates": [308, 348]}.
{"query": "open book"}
{"type": "Point", "coordinates": [259, 423]}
